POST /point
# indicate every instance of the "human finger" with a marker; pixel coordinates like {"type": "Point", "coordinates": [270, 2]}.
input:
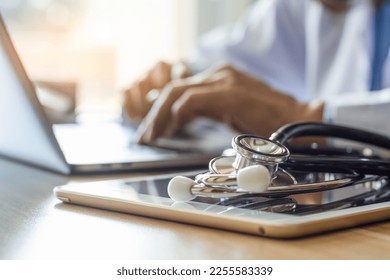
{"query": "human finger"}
{"type": "Point", "coordinates": [130, 104]}
{"type": "Point", "coordinates": [158, 115]}
{"type": "Point", "coordinates": [200, 101]}
{"type": "Point", "coordinates": [157, 120]}
{"type": "Point", "coordinates": [159, 75]}
{"type": "Point", "coordinates": [142, 94]}
{"type": "Point", "coordinates": [136, 101]}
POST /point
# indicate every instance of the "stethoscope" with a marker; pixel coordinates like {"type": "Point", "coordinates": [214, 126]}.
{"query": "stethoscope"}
{"type": "Point", "coordinates": [262, 166]}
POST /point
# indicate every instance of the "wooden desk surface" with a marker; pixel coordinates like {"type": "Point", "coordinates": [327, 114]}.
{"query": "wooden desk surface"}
{"type": "Point", "coordinates": [35, 225]}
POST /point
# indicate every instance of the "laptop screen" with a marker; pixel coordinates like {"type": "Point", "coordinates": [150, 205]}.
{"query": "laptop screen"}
{"type": "Point", "coordinates": [26, 133]}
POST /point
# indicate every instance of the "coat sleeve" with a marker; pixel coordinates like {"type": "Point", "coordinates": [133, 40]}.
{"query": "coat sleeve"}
{"type": "Point", "coordinates": [365, 110]}
{"type": "Point", "coordinates": [267, 42]}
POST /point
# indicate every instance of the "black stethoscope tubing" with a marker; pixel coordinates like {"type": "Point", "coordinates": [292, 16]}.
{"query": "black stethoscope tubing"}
{"type": "Point", "coordinates": [337, 164]}
{"type": "Point", "coordinates": [331, 162]}
{"type": "Point", "coordinates": [318, 129]}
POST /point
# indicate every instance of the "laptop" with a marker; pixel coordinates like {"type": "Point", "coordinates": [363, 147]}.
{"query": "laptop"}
{"type": "Point", "coordinates": [28, 136]}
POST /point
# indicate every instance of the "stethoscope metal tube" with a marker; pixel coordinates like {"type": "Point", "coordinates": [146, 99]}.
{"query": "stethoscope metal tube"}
{"type": "Point", "coordinates": [255, 167]}
{"type": "Point", "coordinates": [213, 180]}
{"type": "Point", "coordinates": [180, 191]}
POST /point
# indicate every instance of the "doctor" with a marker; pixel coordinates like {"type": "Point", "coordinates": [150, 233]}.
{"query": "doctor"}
{"type": "Point", "coordinates": [284, 61]}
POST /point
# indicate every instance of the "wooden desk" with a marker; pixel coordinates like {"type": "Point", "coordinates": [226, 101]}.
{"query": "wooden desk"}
{"type": "Point", "coordinates": [35, 225]}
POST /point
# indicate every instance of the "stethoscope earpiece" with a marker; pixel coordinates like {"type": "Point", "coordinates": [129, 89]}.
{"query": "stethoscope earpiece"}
{"type": "Point", "coordinates": [179, 189]}
{"type": "Point", "coordinates": [254, 178]}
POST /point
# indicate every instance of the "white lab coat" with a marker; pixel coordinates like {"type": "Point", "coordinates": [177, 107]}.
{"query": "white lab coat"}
{"type": "Point", "coordinates": [301, 48]}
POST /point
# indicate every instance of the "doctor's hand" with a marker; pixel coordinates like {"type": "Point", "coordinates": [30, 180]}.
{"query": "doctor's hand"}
{"type": "Point", "coordinates": [227, 95]}
{"type": "Point", "coordinates": [140, 96]}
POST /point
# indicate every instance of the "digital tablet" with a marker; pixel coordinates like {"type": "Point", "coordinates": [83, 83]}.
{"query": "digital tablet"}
{"type": "Point", "coordinates": [285, 217]}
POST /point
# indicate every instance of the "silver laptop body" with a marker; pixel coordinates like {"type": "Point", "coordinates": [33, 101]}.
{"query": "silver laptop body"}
{"type": "Point", "coordinates": [28, 136]}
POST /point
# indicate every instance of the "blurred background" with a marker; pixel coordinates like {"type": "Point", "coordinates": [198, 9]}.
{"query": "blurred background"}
{"type": "Point", "coordinates": [92, 49]}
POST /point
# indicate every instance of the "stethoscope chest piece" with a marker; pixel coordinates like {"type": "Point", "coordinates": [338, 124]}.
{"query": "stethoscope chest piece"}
{"type": "Point", "coordinates": [256, 150]}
